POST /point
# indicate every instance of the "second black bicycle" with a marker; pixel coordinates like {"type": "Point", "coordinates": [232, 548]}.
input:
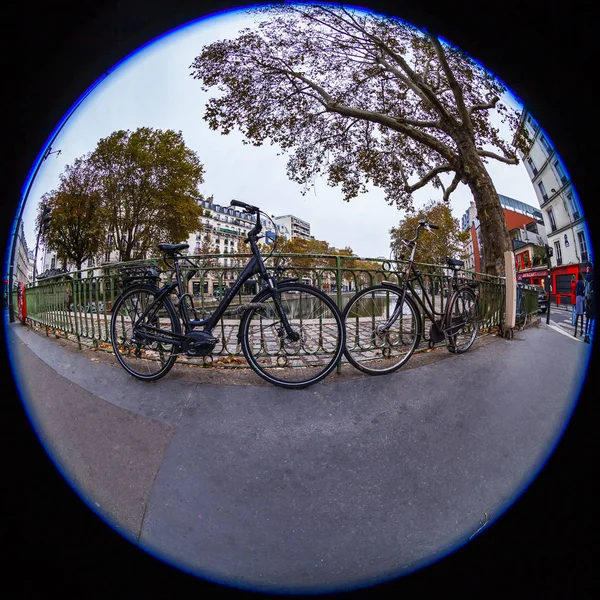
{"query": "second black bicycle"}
{"type": "Point", "coordinates": [384, 323]}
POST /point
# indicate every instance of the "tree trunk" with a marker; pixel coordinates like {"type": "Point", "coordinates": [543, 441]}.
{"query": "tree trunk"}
{"type": "Point", "coordinates": [495, 239]}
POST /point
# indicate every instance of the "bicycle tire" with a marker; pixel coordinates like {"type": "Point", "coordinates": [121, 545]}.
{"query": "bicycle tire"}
{"type": "Point", "coordinates": [147, 361]}
{"type": "Point", "coordinates": [293, 365]}
{"type": "Point", "coordinates": [464, 310]}
{"type": "Point", "coordinates": [370, 349]}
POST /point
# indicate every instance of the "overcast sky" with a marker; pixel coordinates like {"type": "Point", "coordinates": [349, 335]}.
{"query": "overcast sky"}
{"type": "Point", "coordinates": [154, 88]}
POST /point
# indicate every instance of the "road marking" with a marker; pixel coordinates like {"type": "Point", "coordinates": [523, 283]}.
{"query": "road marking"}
{"type": "Point", "coordinates": [556, 328]}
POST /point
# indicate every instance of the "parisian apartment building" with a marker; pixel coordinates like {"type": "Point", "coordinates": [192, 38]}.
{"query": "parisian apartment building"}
{"type": "Point", "coordinates": [297, 227]}
{"type": "Point", "coordinates": [567, 230]}
{"type": "Point", "coordinates": [223, 229]}
{"type": "Point", "coordinates": [22, 259]}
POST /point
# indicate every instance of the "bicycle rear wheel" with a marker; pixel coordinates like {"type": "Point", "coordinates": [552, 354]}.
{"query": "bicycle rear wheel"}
{"type": "Point", "coordinates": [373, 344]}
{"type": "Point", "coordinates": [144, 359]}
{"type": "Point", "coordinates": [281, 360]}
{"type": "Point", "coordinates": [462, 321]}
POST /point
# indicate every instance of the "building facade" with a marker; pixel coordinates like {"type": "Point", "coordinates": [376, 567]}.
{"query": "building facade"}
{"type": "Point", "coordinates": [466, 224]}
{"type": "Point", "coordinates": [567, 232]}
{"type": "Point", "coordinates": [297, 227]}
{"type": "Point", "coordinates": [223, 229]}
{"type": "Point", "coordinates": [22, 259]}
{"type": "Point", "coordinates": [525, 223]}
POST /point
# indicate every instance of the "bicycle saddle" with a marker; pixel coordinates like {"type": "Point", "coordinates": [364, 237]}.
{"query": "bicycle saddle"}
{"type": "Point", "coordinates": [172, 248]}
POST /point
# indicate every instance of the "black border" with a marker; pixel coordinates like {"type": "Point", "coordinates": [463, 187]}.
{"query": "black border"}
{"type": "Point", "coordinates": [51, 53]}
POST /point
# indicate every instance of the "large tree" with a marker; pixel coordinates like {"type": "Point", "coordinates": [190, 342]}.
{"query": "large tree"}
{"type": "Point", "coordinates": [433, 248]}
{"type": "Point", "coordinates": [77, 229]}
{"type": "Point", "coordinates": [149, 181]}
{"type": "Point", "coordinates": [363, 98]}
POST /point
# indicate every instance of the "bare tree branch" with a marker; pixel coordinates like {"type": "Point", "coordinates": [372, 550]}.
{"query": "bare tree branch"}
{"type": "Point", "coordinates": [454, 86]}
{"type": "Point", "coordinates": [428, 93]}
{"type": "Point", "coordinates": [397, 125]}
{"type": "Point", "coordinates": [509, 161]}
{"type": "Point", "coordinates": [491, 104]}
{"type": "Point", "coordinates": [452, 186]}
{"type": "Point", "coordinates": [433, 173]}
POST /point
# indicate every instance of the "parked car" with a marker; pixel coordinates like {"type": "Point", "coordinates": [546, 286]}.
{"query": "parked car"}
{"type": "Point", "coordinates": [543, 298]}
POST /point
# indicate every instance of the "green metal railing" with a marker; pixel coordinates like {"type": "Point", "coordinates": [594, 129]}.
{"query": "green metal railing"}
{"type": "Point", "coordinates": [78, 305]}
{"type": "Point", "coordinates": [527, 307]}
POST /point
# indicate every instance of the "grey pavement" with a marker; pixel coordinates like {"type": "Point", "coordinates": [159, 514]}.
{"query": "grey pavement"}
{"type": "Point", "coordinates": [349, 482]}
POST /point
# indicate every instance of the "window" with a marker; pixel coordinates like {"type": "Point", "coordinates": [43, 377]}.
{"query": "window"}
{"type": "Point", "coordinates": [545, 144]}
{"type": "Point", "coordinates": [90, 262]}
{"type": "Point", "coordinates": [532, 227]}
{"type": "Point", "coordinates": [543, 191]}
{"type": "Point", "coordinates": [551, 219]}
{"type": "Point", "coordinates": [53, 263]}
{"type": "Point", "coordinates": [582, 246]}
{"type": "Point", "coordinates": [566, 241]}
{"type": "Point", "coordinates": [107, 257]}
{"type": "Point", "coordinates": [558, 253]}
{"type": "Point", "coordinates": [532, 166]}
{"type": "Point", "coordinates": [560, 171]}
{"type": "Point", "coordinates": [573, 206]}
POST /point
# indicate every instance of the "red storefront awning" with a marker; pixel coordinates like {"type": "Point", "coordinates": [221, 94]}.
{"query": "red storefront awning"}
{"type": "Point", "coordinates": [540, 273]}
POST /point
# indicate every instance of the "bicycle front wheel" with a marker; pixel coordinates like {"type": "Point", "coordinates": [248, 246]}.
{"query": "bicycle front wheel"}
{"type": "Point", "coordinates": [462, 321]}
{"type": "Point", "coordinates": [374, 344]}
{"type": "Point", "coordinates": [304, 358]}
{"type": "Point", "coordinates": [141, 357]}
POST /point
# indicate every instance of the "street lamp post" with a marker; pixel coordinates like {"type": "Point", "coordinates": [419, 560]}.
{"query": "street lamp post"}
{"type": "Point", "coordinates": [29, 184]}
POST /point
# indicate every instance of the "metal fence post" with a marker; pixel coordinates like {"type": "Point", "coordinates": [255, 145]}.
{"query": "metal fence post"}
{"type": "Point", "coordinates": [338, 285]}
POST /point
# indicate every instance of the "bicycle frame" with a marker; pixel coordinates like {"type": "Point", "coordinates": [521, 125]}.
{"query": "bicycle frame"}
{"type": "Point", "coordinates": [256, 266]}
{"type": "Point", "coordinates": [411, 274]}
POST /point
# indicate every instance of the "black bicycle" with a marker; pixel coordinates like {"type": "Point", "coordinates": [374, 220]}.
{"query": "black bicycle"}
{"type": "Point", "coordinates": [384, 325]}
{"type": "Point", "coordinates": [291, 334]}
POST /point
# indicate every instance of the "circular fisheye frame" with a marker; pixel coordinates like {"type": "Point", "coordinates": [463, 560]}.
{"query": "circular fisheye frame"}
{"type": "Point", "coordinates": [355, 480]}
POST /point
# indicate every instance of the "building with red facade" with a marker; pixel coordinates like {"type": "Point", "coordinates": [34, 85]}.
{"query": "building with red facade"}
{"type": "Point", "coordinates": [526, 227]}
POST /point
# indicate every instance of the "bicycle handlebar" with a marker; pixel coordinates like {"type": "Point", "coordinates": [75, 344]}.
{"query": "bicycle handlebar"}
{"type": "Point", "coordinates": [249, 207]}
{"type": "Point", "coordinates": [428, 225]}
{"type": "Point", "coordinates": [409, 243]}
{"type": "Point", "coordinates": [252, 210]}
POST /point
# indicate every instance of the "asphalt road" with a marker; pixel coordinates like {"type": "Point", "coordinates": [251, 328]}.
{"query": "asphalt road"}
{"type": "Point", "coordinates": [349, 482]}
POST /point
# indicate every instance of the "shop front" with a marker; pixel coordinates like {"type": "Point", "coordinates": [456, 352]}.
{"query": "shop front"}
{"type": "Point", "coordinates": [534, 276]}
{"type": "Point", "coordinates": [563, 292]}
